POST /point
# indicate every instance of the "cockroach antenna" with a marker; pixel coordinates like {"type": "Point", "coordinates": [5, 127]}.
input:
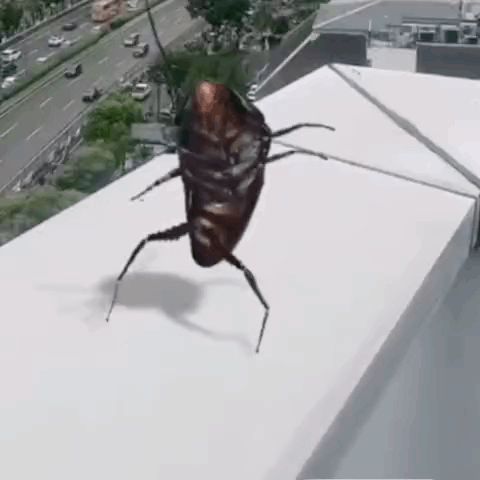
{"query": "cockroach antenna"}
{"type": "Point", "coordinates": [167, 71]}
{"type": "Point", "coordinates": [223, 145]}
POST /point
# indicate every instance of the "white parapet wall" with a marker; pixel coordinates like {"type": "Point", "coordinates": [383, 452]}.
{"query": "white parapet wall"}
{"type": "Point", "coordinates": [171, 388]}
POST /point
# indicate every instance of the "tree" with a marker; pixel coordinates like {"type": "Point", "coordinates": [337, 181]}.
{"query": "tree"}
{"type": "Point", "coordinates": [110, 123]}
{"type": "Point", "coordinates": [10, 16]}
{"type": "Point", "coordinates": [22, 211]}
{"type": "Point", "coordinates": [90, 169]}
{"type": "Point", "coordinates": [188, 68]}
{"type": "Point", "coordinates": [221, 14]}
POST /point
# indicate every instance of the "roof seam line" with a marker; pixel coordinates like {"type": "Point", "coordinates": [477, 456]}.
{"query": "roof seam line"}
{"type": "Point", "coordinates": [410, 129]}
{"type": "Point", "coordinates": [399, 176]}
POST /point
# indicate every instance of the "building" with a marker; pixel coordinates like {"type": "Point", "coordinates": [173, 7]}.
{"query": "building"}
{"type": "Point", "coordinates": [369, 262]}
{"type": "Point", "coordinates": [353, 254]}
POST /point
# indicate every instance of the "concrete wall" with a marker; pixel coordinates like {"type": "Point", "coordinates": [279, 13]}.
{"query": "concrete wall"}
{"type": "Point", "coordinates": [423, 420]}
{"type": "Point", "coordinates": [329, 47]}
{"type": "Point", "coordinates": [450, 60]}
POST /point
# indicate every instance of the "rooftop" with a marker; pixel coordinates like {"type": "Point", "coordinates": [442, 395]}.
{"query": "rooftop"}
{"type": "Point", "coordinates": [348, 252]}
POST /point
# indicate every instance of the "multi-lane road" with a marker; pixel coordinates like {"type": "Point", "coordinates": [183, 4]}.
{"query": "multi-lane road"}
{"type": "Point", "coordinates": [35, 46]}
{"type": "Point", "coordinates": [25, 129]}
{"type": "Point", "coordinates": [35, 49]}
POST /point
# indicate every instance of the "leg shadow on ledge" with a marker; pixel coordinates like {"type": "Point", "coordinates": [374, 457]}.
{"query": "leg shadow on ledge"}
{"type": "Point", "coordinates": [173, 295]}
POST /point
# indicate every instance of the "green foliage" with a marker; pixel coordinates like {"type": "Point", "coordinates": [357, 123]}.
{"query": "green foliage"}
{"type": "Point", "coordinates": [21, 211]}
{"type": "Point", "coordinates": [188, 68]}
{"type": "Point", "coordinates": [91, 168]}
{"type": "Point", "coordinates": [280, 25]}
{"type": "Point", "coordinates": [118, 22]}
{"type": "Point", "coordinates": [220, 12]}
{"type": "Point", "coordinates": [110, 123]}
{"type": "Point", "coordinates": [10, 16]}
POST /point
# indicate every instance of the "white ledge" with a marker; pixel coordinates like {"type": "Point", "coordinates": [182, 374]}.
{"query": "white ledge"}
{"type": "Point", "coordinates": [171, 388]}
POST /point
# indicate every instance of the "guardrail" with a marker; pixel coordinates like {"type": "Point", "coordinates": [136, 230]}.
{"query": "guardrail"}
{"type": "Point", "coordinates": [25, 33]}
{"type": "Point", "coordinates": [56, 151]}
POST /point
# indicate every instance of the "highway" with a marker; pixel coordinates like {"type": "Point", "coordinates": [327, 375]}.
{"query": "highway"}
{"type": "Point", "coordinates": [35, 49]}
{"type": "Point", "coordinates": [25, 129]}
{"type": "Point", "coordinates": [35, 46]}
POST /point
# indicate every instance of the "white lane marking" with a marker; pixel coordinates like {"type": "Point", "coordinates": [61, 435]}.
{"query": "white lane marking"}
{"type": "Point", "coordinates": [32, 52]}
{"type": "Point", "coordinates": [69, 104]}
{"type": "Point", "coordinates": [8, 130]}
{"type": "Point", "coordinates": [45, 102]}
{"type": "Point", "coordinates": [34, 133]}
{"type": "Point", "coordinates": [74, 80]}
{"type": "Point", "coordinates": [83, 25]}
{"type": "Point", "coordinates": [120, 63]}
{"type": "Point", "coordinates": [103, 60]}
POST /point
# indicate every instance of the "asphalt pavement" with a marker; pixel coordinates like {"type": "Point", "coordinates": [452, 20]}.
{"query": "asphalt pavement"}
{"type": "Point", "coordinates": [25, 129]}
{"type": "Point", "coordinates": [35, 49]}
{"type": "Point", "coordinates": [35, 46]}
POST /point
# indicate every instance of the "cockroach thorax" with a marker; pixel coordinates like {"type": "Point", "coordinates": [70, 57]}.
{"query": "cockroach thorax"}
{"type": "Point", "coordinates": [208, 95]}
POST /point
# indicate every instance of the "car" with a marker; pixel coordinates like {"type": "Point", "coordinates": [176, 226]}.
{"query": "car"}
{"type": "Point", "coordinates": [7, 68]}
{"type": "Point", "coordinates": [132, 5]}
{"type": "Point", "coordinates": [124, 84]}
{"type": "Point", "coordinates": [92, 94]}
{"type": "Point", "coordinates": [141, 91]}
{"type": "Point", "coordinates": [74, 70]}
{"type": "Point", "coordinates": [55, 41]}
{"type": "Point", "coordinates": [69, 26]}
{"type": "Point", "coordinates": [141, 50]}
{"type": "Point", "coordinates": [9, 81]}
{"type": "Point", "coordinates": [132, 40]}
{"type": "Point", "coordinates": [11, 55]}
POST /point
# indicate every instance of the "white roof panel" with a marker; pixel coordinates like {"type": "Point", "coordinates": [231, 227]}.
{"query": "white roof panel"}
{"type": "Point", "coordinates": [363, 133]}
{"type": "Point", "coordinates": [171, 388]}
{"type": "Point", "coordinates": [446, 109]}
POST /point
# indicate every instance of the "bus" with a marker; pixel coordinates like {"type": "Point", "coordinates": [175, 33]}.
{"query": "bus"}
{"type": "Point", "coordinates": [105, 10]}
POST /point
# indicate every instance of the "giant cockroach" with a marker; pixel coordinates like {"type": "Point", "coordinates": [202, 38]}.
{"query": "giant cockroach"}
{"type": "Point", "coordinates": [223, 143]}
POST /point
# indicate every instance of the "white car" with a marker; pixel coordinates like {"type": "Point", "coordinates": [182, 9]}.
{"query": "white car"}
{"type": "Point", "coordinates": [141, 91]}
{"type": "Point", "coordinates": [55, 41]}
{"type": "Point", "coordinates": [8, 82]}
{"type": "Point", "coordinates": [11, 55]}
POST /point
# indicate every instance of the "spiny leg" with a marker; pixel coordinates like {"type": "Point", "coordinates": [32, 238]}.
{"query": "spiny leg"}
{"type": "Point", "coordinates": [172, 174]}
{"type": "Point", "coordinates": [288, 153]}
{"type": "Point", "coordinates": [173, 233]}
{"type": "Point", "coordinates": [234, 261]}
{"type": "Point", "coordinates": [286, 130]}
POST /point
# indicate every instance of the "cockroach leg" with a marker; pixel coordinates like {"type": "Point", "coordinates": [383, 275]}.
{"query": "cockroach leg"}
{"type": "Point", "coordinates": [173, 233]}
{"type": "Point", "coordinates": [286, 130]}
{"type": "Point", "coordinates": [232, 260]}
{"type": "Point", "coordinates": [172, 174]}
{"type": "Point", "coordinates": [288, 153]}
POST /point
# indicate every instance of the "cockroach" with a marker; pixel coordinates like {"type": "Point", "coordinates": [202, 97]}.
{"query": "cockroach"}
{"type": "Point", "coordinates": [223, 144]}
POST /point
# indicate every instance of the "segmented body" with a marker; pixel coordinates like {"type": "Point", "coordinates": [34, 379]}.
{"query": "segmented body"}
{"type": "Point", "coordinates": [222, 147]}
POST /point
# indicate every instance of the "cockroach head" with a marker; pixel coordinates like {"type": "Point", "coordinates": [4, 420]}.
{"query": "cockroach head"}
{"type": "Point", "coordinates": [209, 96]}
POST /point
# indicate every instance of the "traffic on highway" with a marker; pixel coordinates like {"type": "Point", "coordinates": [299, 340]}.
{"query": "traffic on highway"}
{"type": "Point", "coordinates": [35, 48]}
{"type": "Point", "coordinates": [28, 56]}
{"type": "Point", "coordinates": [29, 125]}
